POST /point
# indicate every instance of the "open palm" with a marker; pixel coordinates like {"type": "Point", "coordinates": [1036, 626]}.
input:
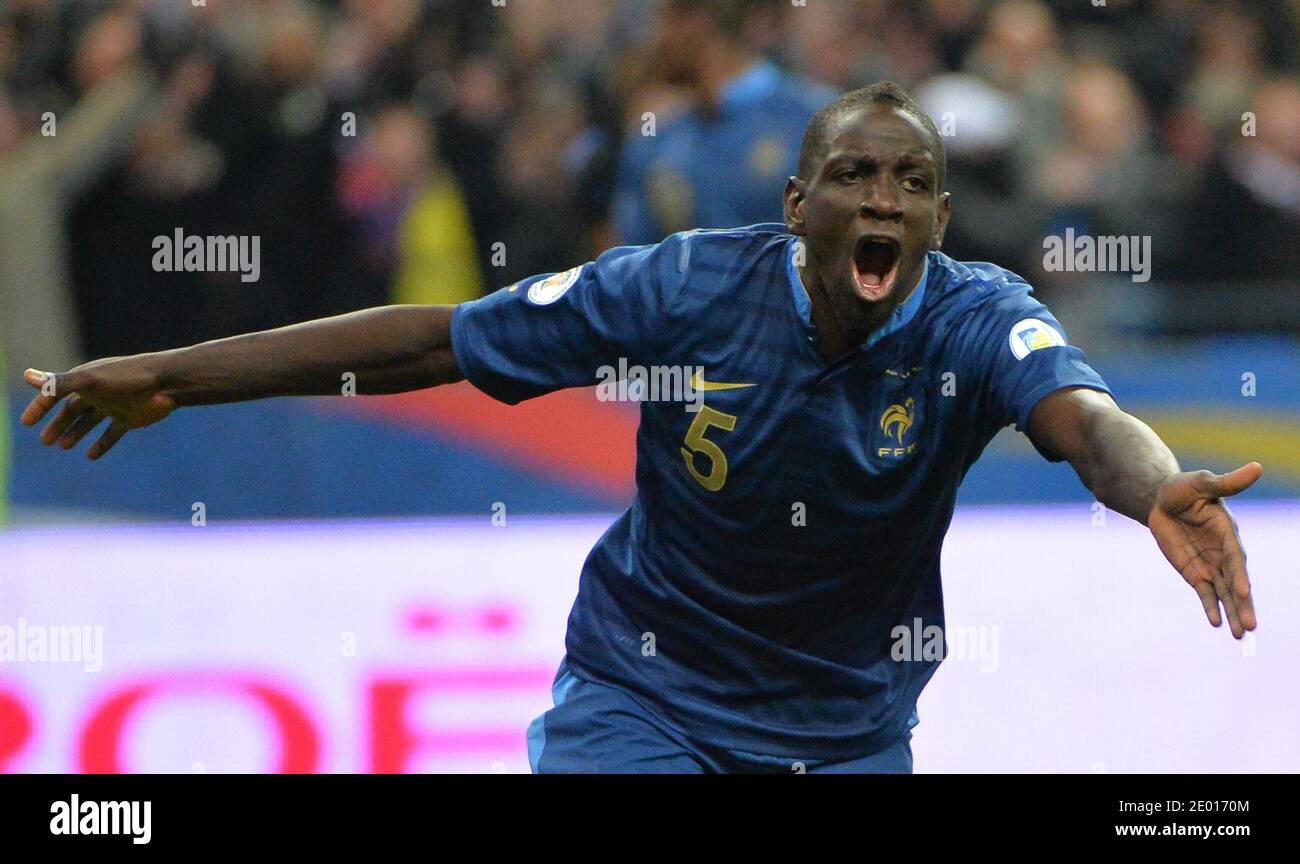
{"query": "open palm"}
{"type": "Point", "coordinates": [1196, 532]}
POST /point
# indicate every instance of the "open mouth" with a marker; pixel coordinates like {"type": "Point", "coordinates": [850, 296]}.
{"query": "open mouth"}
{"type": "Point", "coordinates": [875, 264]}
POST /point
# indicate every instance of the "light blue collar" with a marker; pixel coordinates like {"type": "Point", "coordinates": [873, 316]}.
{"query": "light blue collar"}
{"type": "Point", "coordinates": [898, 319]}
{"type": "Point", "coordinates": [905, 313]}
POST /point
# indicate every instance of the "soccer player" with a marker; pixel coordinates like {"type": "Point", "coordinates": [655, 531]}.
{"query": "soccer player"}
{"type": "Point", "coordinates": [738, 616]}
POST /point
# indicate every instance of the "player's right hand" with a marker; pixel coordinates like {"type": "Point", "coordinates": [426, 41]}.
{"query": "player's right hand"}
{"type": "Point", "coordinates": [123, 390]}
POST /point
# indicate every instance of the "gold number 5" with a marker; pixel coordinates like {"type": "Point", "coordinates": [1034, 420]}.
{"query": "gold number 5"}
{"type": "Point", "coordinates": [697, 443]}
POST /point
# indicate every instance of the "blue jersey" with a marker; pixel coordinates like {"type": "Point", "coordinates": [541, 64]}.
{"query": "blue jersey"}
{"type": "Point", "coordinates": [717, 171]}
{"type": "Point", "coordinates": [784, 529]}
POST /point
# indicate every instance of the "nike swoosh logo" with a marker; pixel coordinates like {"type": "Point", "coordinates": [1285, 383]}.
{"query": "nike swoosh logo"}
{"type": "Point", "coordinates": [698, 383]}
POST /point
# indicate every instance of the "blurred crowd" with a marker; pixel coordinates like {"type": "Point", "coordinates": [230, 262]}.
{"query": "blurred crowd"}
{"type": "Point", "coordinates": [409, 151]}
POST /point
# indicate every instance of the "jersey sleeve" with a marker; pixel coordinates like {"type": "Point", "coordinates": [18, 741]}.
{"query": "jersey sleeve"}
{"type": "Point", "coordinates": [1021, 354]}
{"type": "Point", "coordinates": [557, 330]}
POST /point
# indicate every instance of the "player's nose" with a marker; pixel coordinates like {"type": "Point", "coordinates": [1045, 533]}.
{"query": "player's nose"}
{"type": "Point", "coordinates": [881, 203]}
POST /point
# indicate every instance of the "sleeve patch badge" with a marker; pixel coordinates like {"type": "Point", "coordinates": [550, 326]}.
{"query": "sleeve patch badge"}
{"type": "Point", "coordinates": [552, 288]}
{"type": "Point", "coordinates": [1031, 334]}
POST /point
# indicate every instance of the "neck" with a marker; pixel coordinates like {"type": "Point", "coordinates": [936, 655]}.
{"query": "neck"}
{"type": "Point", "coordinates": [839, 329]}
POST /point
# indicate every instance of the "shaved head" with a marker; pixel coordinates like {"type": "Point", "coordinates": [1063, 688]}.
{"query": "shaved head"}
{"type": "Point", "coordinates": [816, 137]}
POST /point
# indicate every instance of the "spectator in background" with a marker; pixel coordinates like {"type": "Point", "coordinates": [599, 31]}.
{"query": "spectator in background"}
{"type": "Point", "coordinates": [377, 52]}
{"type": "Point", "coordinates": [1245, 217]}
{"type": "Point", "coordinates": [254, 157]}
{"type": "Point", "coordinates": [831, 43]}
{"type": "Point", "coordinates": [1104, 176]}
{"type": "Point", "coordinates": [539, 171]}
{"type": "Point", "coordinates": [955, 25]}
{"type": "Point", "coordinates": [530, 103]}
{"type": "Point", "coordinates": [159, 185]}
{"type": "Point", "coordinates": [571, 73]}
{"type": "Point", "coordinates": [469, 138]}
{"type": "Point", "coordinates": [722, 163]}
{"type": "Point", "coordinates": [1104, 179]}
{"type": "Point", "coordinates": [40, 34]}
{"type": "Point", "coordinates": [41, 172]}
{"type": "Point", "coordinates": [281, 180]}
{"type": "Point", "coordinates": [1229, 66]}
{"type": "Point", "coordinates": [1021, 52]}
{"type": "Point", "coordinates": [991, 196]}
{"type": "Point", "coordinates": [409, 214]}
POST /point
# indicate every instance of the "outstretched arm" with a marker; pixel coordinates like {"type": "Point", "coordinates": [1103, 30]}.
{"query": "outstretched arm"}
{"type": "Point", "coordinates": [1130, 470]}
{"type": "Point", "coordinates": [390, 349]}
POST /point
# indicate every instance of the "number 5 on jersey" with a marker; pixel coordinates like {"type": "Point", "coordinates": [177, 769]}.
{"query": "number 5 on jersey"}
{"type": "Point", "coordinates": [696, 443]}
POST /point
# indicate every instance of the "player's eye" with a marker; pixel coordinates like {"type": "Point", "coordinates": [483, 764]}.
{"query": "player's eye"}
{"type": "Point", "coordinates": [913, 183]}
{"type": "Point", "coordinates": [850, 176]}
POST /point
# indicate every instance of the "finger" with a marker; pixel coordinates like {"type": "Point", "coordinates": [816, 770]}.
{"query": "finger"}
{"type": "Point", "coordinates": [1234, 562]}
{"type": "Point", "coordinates": [40, 405]}
{"type": "Point", "coordinates": [37, 408]}
{"type": "Point", "coordinates": [1210, 600]}
{"type": "Point", "coordinates": [1234, 573]}
{"type": "Point", "coordinates": [106, 441]}
{"type": "Point", "coordinates": [53, 388]}
{"type": "Point", "coordinates": [57, 385]}
{"type": "Point", "coordinates": [1246, 609]}
{"type": "Point", "coordinates": [69, 414]}
{"type": "Point", "coordinates": [80, 429]}
{"type": "Point", "coordinates": [1229, 602]}
{"type": "Point", "coordinates": [1223, 485]}
{"type": "Point", "coordinates": [35, 377]}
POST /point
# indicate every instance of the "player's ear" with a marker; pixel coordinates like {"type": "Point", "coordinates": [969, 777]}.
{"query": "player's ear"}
{"type": "Point", "coordinates": [941, 220]}
{"type": "Point", "coordinates": [795, 192]}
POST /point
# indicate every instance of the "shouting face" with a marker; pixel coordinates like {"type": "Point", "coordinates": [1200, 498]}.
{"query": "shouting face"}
{"type": "Point", "coordinates": [869, 213]}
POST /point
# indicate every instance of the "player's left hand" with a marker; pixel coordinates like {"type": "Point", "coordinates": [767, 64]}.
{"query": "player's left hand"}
{"type": "Point", "coordinates": [1196, 532]}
